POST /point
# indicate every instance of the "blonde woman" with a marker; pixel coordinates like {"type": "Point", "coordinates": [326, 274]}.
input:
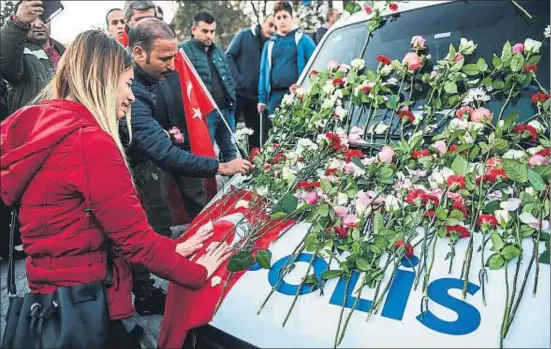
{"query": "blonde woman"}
{"type": "Point", "coordinates": [63, 162]}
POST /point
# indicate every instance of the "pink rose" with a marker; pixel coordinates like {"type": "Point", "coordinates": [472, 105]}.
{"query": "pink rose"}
{"type": "Point", "coordinates": [386, 154]}
{"type": "Point", "coordinates": [350, 221]}
{"type": "Point", "coordinates": [518, 48]}
{"type": "Point", "coordinates": [311, 198]}
{"type": "Point", "coordinates": [363, 199]}
{"type": "Point", "coordinates": [440, 146]}
{"type": "Point", "coordinates": [332, 65]}
{"type": "Point", "coordinates": [481, 115]}
{"type": "Point", "coordinates": [348, 168]}
{"type": "Point", "coordinates": [412, 60]}
{"type": "Point", "coordinates": [341, 211]}
{"type": "Point", "coordinates": [464, 112]}
{"type": "Point", "coordinates": [537, 160]}
{"type": "Point", "coordinates": [179, 138]}
{"type": "Point", "coordinates": [418, 42]}
{"type": "Point", "coordinates": [458, 58]}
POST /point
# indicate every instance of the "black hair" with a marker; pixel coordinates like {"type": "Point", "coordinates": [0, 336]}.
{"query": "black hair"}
{"type": "Point", "coordinates": [283, 6]}
{"type": "Point", "coordinates": [203, 16]}
{"type": "Point", "coordinates": [109, 12]}
{"type": "Point", "coordinates": [146, 31]}
{"type": "Point", "coordinates": [159, 10]}
{"type": "Point", "coordinates": [141, 5]}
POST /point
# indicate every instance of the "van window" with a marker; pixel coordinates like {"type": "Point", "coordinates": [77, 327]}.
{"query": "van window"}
{"type": "Point", "coordinates": [488, 23]}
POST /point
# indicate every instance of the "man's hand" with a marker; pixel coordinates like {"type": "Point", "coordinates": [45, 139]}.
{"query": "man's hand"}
{"type": "Point", "coordinates": [235, 166]}
{"type": "Point", "coordinates": [29, 10]}
{"type": "Point", "coordinates": [194, 243]}
{"type": "Point", "coordinates": [260, 108]}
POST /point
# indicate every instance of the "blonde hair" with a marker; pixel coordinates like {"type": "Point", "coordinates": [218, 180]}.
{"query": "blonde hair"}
{"type": "Point", "coordinates": [89, 73]}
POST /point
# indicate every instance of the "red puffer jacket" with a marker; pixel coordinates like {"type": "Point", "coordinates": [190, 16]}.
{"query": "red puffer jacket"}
{"type": "Point", "coordinates": [56, 161]}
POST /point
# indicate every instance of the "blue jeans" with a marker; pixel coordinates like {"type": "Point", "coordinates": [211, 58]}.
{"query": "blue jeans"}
{"type": "Point", "coordinates": [219, 132]}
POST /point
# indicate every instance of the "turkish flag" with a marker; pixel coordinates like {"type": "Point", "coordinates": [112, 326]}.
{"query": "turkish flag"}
{"type": "Point", "coordinates": [186, 309]}
{"type": "Point", "coordinates": [123, 40]}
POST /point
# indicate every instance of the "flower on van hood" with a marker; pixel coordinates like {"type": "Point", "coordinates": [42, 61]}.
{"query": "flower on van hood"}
{"type": "Point", "coordinates": [412, 60]}
{"type": "Point", "coordinates": [418, 42]}
{"type": "Point", "coordinates": [358, 64]}
{"type": "Point", "coordinates": [532, 46]}
{"type": "Point", "coordinates": [466, 47]}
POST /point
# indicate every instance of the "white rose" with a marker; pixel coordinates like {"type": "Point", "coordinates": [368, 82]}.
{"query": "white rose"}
{"type": "Point", "coordinates": [301, 91]}
{"type": "Point", "coordinates": [532, 46]}
{"type": "Point", "coordinates": [502, 216]}
{"type": "Point", "coordinates": [329, 87]}
{"type": "Point", "coordinates": [531, 191]}
{"type": "Point", "coordinates": [328, 103]}
{"type": "Point", "coordinates": [510, 205]}
{"type": "Point", "coordinates": [262, 191]}
{"type": "Point", "coordinates": [342, 199]}
{"type": "Point", "coordinates": [287, 99]}
{"type": "Point", "coordinates": [336, 163]}
{"type": "Point", "coordinates": [474, 127]}
{"type": "Point", "coordinates": [436, 180]}
{"type": "Point", "coordinates": [340, 112]}
{"type": "Point", "coordinates": [358, 63]}
{"type": "Point", "coordinates": [385, 70]}
{"type": "Point", "coordinates": [392, 204]}
{"type": "Point", "coordinates": [467, 46]}
{"type": "Point", "coordinates": [287, 175]}
{"type": "Point", "coordinates": [514, 154]}
{"type": "Point", "coordinates": [446, 172]}
{"type": "Point", "coordinates": [534, 150]}
{"type": "Point", "coordinates": [539, 127]}
{"type": "Point", "coordinates": [457, 124]}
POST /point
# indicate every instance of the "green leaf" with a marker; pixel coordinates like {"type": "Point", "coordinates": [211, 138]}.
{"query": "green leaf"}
{"type": "Point", "coordinates": [441, 214]}
{"type": "Point", "coordinates": [512, 118]}
{"type": "Point", "coordinates": [498, 84]}
{"type": "Point", "coordinates": [456, 214]}
{"type": "Point", "coordinates": [240, 261]}
{"type": "Point", "coordinates": [496, 61]}
{"type": "Point", "coordinates": [375, 249]}
{"type": "Point", "coordinates": [510, 252]}
{"type": "Point", "coordinates": [491, 207]}
{"type": "Point", "coordinates": [386, 172]}
{"type": "Point", "coordinates": [378, 223]}
{"type": "Point", "coordinates": [544, 257]}
{"type": "Point", "coordinates": [544, 236]}
{"type": "Point", "coordinates": [526, 231]}
{"type": "Point", "coordinates": [481, 65]}
{"type": "Point", "coordinates": [278, 215]}
{"type": "Point", "coordinates": [515, 170]}
{"type": "Point", "coordinates": [289, 203]}
{"type": "Point", "coordinates": [371, 76]}
{"type": "Point", "coordinates": [517, 62]}
{"type": "Point", "coordinates": [453, 221]}
{"type": "Point", "coordinates": [460, 166]}
{"type": "Point", "coordinates": [442, 231]}
{"type": "Point", "coordinates": [331, 274]}
{"type": "Point", "coordinates": [534, 59]}
{"type": "Point", "coordinates": [392, 102]}
{"type": "Point", "coordinates": [310, 279]}
{"type": "Point", "coordinates": [497, 241]}
{"type": "Point", "coordinates": [362, 264]}
{"type": "Point", "coordinates": [470, 69]}
{"type": "Point", "coordinates": [470, 182]}
{"type": "Point", "coordinates": [474, 153]}
{"type": "Point", "coordinates": [264, 259]}
{"type": "Point", "coordinates": [500, 144]}
{"type": "Point", "coordinates": [536, 180]}
{"type": "Point", "coordinates": [457, 66]}
{"type": "Point", "coordinates": [496, 262]}
{"type": "Point", "coordinates": [324, 210]}
{"type": "Point", "coordinates": [450, 87]}
{"type": "Point", "coordinates": [506, 52]}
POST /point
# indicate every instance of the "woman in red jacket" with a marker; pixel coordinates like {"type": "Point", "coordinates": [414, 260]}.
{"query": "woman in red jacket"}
{"type": "Point", "coordinates": [63, 162]}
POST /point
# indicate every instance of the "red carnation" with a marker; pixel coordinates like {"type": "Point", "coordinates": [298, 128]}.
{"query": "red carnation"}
{"type": "Point", "coordinates": [540, 97]}
{"type": "Point", "coordinates": [267, 167]}
{"type": "Point", "coordinates": [342, 232]}
{"type": "Point", "coordinates": [495, 174]}
{"type": "Point", "coordinates": [331, 171]}
{"type": "Point", "coordinates": [489, 219]}
{"type": "Point", "coordinates": [303, 185]}
{"type": "Point", "coordinates": [461, 230]}
{"type": "Point", "coordinates": [351, 154]}
{"type": "Point", "coordinates": [460, 205]}
{"type": "Point", "coordinates": [526, 128]}
{"type": "Point", "coordinates": [368, 10]}
{"type": "Point", "coordinates": [384, 59]}
{"type": "Point", "coordinates": [544, 152]}
{"type": "Point", "coordinates": [335, 140]}
{"type": "Point", "coordinates": [433, 200]}
{"type": "Point", "coordinates": [275, 146]}
{"type": "Point", "coordinates": [407, 114]}
{"type": "Point", "coordinates": [366, 89]}
{"type": "Point", "coordinates": [531, 68]}
{"type": "Point", "coordinates": [278, 157]}
{"type": "Point", "coordinates": [393, 7]}
{"type": "Point", "coordinates": [430, 213]}
{"type": "Point", "coordinates": [416, 154]}
{"type": "Point", "coordinates": [338, 82]}
{"type": "Point", "coordinates": [416, 197]}
{"type": "Point", "coordinates": [409, 248]}
{"type": "Point", "coordinates": [456, 180]}
{"type": "Point", "coordinates": [453, 148]}
{"type": "Point", "coordinates": [254, 153]}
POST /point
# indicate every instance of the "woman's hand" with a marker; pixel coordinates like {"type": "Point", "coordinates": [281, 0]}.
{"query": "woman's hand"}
{"type": "Point", "coordinates": [194, 243]}
{"type": "Point", "coordinates": [217, 253]}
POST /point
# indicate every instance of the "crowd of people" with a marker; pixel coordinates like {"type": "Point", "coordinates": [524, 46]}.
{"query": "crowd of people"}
{"type": "Point", "coordinates": [86, 152]}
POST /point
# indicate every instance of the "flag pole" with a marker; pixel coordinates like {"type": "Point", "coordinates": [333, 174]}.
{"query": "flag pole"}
{"type": "Point", "coordinates": [243, 153]}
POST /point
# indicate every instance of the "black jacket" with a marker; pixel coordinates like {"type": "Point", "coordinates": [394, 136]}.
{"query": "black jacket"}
{"type": "Point", "coordinates": [320, 33]}
{"type": "Point", "coordinates": [244, 54]}
{"type": "Point", "coordinates": [149, 141]}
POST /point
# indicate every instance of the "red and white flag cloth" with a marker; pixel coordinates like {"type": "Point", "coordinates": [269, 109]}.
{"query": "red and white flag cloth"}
{"type": "Point", "coordinates": [186, 309]}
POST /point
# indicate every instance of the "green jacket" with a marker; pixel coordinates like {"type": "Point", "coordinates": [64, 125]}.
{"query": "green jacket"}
{"type": "Point", "coordinates": [24, 65]}
{"type": "Point", "coordinates": [195, 51]}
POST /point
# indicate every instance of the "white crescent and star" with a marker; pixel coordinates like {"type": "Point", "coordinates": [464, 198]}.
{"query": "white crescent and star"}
{"type": "Point", "coordinates": [196, 111]}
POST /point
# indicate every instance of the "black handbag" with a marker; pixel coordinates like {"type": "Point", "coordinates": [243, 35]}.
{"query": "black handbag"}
{"type": "Point", "coordinates": [70, 317]}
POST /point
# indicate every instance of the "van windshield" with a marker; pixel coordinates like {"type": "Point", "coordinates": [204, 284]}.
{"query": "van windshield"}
{"type": "Point", "coordinates": [488, 23]}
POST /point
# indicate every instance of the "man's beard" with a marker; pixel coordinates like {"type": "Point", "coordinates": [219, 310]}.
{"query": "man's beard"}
{"type": "Point", "coordinates": [39, 40]}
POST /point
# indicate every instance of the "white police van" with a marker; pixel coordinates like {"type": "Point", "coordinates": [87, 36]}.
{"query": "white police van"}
{"type": "Point", "coordinates": [452, 321]}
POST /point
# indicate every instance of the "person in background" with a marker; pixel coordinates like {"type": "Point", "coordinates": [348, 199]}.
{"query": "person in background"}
{"type": "Point", "coordinates": [135, 11]}
{"type": "Point", "coordinates": [321, 31]}
{"type": "Point", "coordinates": [211, 64]}
{"type": "Point", "coordinates": [160, 13]}
{"type": "Point", "coordinates": [28, 56]}
{"type": "Point", "coordinates": [244, 55]}
{"type": "Point", "coordinates": [153, 45]}
{"type": "Point", "coordinates": [284, 57]}
{"type": "Point", "coordinates": [69, 211]}
{"type": "Point", "coordinates": [115, 22]}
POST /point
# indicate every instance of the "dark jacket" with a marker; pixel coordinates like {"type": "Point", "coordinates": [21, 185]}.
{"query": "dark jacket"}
{"type": "Point", "coordinates": [320, 33]}
{"type": "Point", "coordinates": [24, 65]}
{"type": "Point", "coordinates": [56, 162]}
{"type": "Point", "coordinates": [3, 100]}
{"type": "Point", "coordinates": [195, 50]}
{"type": "Point", "coordinates": [244, 55]}
{"type": "Point", "coordinates": [150, 142]}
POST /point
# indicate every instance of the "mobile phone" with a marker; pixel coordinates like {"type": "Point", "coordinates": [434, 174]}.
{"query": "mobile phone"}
{"type": "Point", "coordinates": [51, 9]}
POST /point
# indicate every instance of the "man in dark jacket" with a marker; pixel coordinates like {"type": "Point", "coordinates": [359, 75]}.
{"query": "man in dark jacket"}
{"type": "Point", "coordinates": [28, 56]}
{"type": "Point", "coordinates": [320, 33]}
{"type": "Point", "coordinates": [154, 46]}
{"type": "Point", "coordinates": [212, 66]}
{"type": "Point", "coordinates": [244, 55]}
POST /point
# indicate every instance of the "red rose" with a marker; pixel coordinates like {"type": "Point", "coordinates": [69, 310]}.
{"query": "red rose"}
{"type": "Point", "coordinates": [316, 184]}
{"type": "Point", "coordinates": [526, 128]}
{"type": "Point", "coordinates": [540, 97]}
{"type": "Point", "coordinates": [342, 232]}
{"type": "Point", "coordinates": [430, 213]}
{"type": "Point", "coordinates": [409, 249]}
{"type": "Point", "coordinates": [384, 59]}
{"type": "Point", "coordinates": [531, 68]}
{"type": "Point", "coordinates": [416, 197]}
{"type": "Point", "coordinates": [457, 181]}
{"type": "Point", "coordinates": [278, 157]}
{"type": "Point", "coordinates": [338, 82]}
{"type": "Point", "coordinates": [393, 7]}
{"type": "Point", "coordinates": [267, 167]}
{"type": "Point", "coordinates": [461, 230]}
{"type": "Point", "coordinates": [275, 146]}
{"type": "Point", "coordinates": [368, 10]}
{"type": "Point", "coordinates": [416, 154]}
{"type": "Point", "coordinates": [254, 153]}
{"type": "Point", "coordinates": [453, 148]}
{"type": "Point", "coordinates": [314, 73]}
{"type": "Point", "coordinates": [544, 152]}
{"type": "Point", "coordinates": [366, 89]}
{"type": "Point", "coordinates": [351, 154]}
{"type": "Point", "coordinates": [331, 171]}
{"type": "Point", "coordinates": [489, 219]}
{"type": "Point", "coordinates": [407, 114]}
